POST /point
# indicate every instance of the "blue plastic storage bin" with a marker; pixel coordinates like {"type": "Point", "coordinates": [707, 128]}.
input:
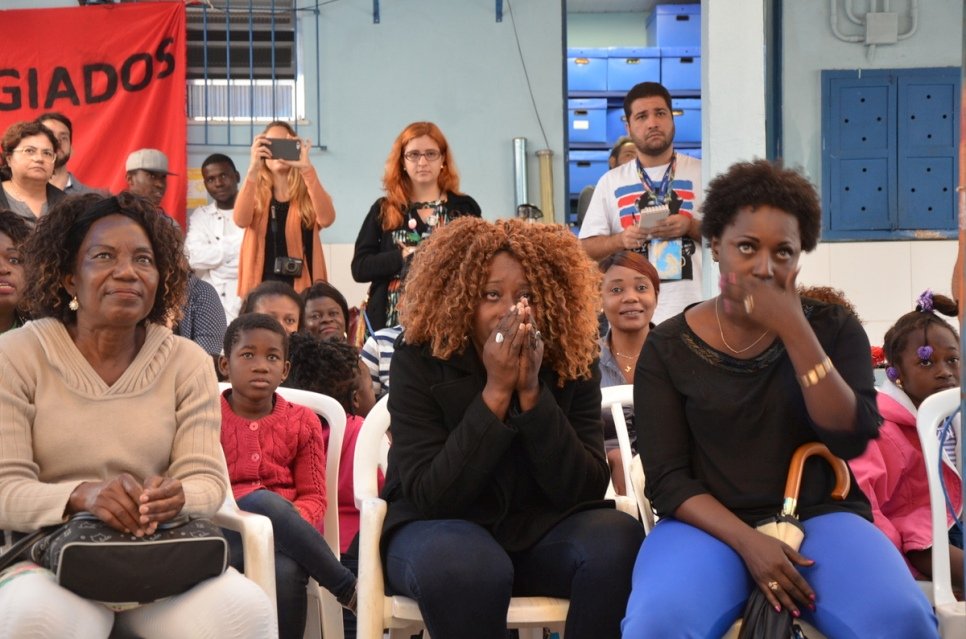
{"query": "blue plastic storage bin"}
{"type": "Point", "coordinates": [674, 25]}
{"type": "Point", "coordinates": [687, 120]}
{"type": "Point", "coordinates": [586, 69]}
{"type": "Point", "coordinates": [629, 66]}
{"type": "Point", "coordinates": [615, 124]}
{"type": "Point", "coordinates": [587, 120]}
{"type": "Point", "coordinates": [681, 68]}
{"type": "Point", "coordinates": [586, 167]}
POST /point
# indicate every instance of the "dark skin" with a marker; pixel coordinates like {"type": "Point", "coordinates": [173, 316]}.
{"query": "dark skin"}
{"type": "Point", "coordinates": [115, 280]}
{"type": "Point", "coordinates": [759, 253]}
{"type": "Point", "coordinates": [512, 366]}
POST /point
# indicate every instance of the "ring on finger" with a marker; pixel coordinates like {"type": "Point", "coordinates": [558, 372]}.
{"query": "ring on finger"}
{"type": "Point", "coordinates": [749, 304]}
{"type": "Point", "coordinates": [773, 586]}
{"type": "Point", "coordinates": [498, 338]}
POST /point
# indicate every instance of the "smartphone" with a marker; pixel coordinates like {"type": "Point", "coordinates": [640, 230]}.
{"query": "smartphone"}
{"type": "Point", "coordinates": [651, 215]}
{"type": "Point", "coordinates": [284, 148]}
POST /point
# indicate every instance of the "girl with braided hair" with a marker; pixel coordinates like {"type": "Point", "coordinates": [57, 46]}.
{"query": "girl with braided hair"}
{"type": "Point", "coordinates": [923, 354]}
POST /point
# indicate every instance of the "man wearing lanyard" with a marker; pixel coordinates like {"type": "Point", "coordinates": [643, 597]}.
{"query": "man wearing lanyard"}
{"type": "Point", "coordinates": [660, 177]}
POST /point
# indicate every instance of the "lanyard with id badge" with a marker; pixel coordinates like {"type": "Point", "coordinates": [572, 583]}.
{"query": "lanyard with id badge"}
{"type": "Point", "coordinates": [654, 205]}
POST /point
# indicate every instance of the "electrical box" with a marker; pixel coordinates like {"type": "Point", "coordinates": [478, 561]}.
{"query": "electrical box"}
{"type": "Point", "coordinates": [881, 27]}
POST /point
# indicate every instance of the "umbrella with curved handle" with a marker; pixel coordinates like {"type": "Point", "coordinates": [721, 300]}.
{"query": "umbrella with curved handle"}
{"type": "Point", "coordinates": [759, 621]}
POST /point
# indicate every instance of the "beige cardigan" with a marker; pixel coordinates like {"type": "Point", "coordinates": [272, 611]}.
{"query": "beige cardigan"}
{"type": "Point", "coordinates": [61, 424]}
{"type": "Point", "coordinates": [251, 261]}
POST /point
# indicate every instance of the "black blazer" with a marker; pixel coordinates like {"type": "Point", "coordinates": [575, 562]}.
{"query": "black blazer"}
{"type": "Point", "coordinates": [377, 259]}
{"type": "Point", "coordinates": [451, 458]}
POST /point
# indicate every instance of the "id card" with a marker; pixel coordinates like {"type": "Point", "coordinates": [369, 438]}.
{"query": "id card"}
{"type": "Point", "coordinates": [667, 258]}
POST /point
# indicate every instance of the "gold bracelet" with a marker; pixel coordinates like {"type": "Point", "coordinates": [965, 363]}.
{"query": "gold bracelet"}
{"type": "Point", "coordinates": [817, 373]}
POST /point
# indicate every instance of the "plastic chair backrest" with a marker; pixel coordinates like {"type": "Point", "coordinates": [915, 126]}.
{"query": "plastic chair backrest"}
{"type": "Point", "coordinates": [933, 410]}
{"type": "Point", "coordinates": [614, 399]}
{"type": "Point", "coordinates": [370, 452]}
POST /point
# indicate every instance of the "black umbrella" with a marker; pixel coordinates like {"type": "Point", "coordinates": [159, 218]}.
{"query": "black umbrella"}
{"type": "Point", "coordinates": [760, 621]}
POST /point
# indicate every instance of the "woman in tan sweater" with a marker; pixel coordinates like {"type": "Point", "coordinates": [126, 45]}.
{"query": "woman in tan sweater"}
{"type": "Point", "coordinates": [282, 206]}
{"type": "Point", "coordinates": [104, 410]}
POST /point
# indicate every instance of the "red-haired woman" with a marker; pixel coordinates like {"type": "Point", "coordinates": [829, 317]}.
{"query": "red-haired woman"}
{"type": "Point", "coordinates": [282, 206]}
{"type": "Point", "coordinates": [422, 194]}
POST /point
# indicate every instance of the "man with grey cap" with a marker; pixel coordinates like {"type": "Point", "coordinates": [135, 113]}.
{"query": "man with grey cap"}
{"type": "Point", "coordinates": [147, 174]}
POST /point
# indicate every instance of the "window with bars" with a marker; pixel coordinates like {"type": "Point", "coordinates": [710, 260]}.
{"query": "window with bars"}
{"type": "Point", "coordinates": [243, 62]}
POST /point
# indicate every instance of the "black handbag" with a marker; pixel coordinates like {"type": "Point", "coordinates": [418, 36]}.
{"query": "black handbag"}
{"type": "Point", "coordinates": [93, 560]}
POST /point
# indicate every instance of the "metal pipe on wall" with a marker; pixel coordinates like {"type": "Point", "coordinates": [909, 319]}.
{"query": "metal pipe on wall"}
{"type": "Point", "coordinates": [520, 189]}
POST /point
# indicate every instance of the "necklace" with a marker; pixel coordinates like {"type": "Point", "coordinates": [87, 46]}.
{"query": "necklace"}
{"type": "Point", "coordinates": [725, 342]}
{"type": "Point", "coordinates": [627, 369]}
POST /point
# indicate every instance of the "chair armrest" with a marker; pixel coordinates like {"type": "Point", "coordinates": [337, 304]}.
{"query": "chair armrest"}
{"type": "Point", "coordinates": [258, 543]}
{"type": "Point", "coordinates": [372, 593]}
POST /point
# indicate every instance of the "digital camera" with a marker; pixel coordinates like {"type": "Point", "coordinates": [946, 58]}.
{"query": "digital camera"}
{"type": "Point", "coordinates": [288, 266]}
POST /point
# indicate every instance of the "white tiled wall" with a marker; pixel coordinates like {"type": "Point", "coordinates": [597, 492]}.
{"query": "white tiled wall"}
{"type": "Point", "coordinates": [338, 258]}
{"type": "Point", "coordinates": [881, 279]}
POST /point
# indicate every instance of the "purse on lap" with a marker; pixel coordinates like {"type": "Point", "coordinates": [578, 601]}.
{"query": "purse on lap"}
{"type": "Point", "coordinates": [93, 560]}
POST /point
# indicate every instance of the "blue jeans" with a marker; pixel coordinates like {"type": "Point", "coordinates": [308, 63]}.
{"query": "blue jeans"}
{"type": "Point", "coordinates": [300, 553]}
{"type": "Point", "coordinates": [463, 579]}
{"type": "Point", "coordinates": [689, 584]}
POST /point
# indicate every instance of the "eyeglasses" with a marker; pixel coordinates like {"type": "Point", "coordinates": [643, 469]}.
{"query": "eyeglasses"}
{"type": "Point", "coordinates": [32, 151]}
{"type": "Point", "coordinates": [431, 156]}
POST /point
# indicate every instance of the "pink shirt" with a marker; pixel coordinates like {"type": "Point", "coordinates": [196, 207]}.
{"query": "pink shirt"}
{"type": "Point", "coordinates": [348, 513]}
{"type": "Point", "coordinates": [892, 474]}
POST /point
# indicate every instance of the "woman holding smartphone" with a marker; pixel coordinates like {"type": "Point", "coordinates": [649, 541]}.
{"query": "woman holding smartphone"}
{"type": "Point", "coordinates": [422, 194]}
{"type": "Point", "coordinates": [282, 206]}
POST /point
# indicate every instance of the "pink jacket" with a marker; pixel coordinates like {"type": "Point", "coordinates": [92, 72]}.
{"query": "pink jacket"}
{"type": "Point", "coordinates": [892, 473]}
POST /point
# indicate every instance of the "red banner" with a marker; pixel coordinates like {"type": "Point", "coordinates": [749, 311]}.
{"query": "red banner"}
{"type": "Point", "coordinates": [117, 71]}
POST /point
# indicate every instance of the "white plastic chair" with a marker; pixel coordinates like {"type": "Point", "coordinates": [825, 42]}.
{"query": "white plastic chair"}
{"type": "Point", "coordinates": [401, 614]}
{"type": "Point", "coordinates": [614, 399]}
{"type": "Point", "coordinates": [323, 611]}
{"type": "Point", "coordinates": [951, 613]}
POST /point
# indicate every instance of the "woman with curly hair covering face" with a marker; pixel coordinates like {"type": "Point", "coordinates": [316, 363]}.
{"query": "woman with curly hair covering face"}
{"type": "Point", "coordinates": [108, 412]}
{"type": "Point", "coordinates": [497, 468]}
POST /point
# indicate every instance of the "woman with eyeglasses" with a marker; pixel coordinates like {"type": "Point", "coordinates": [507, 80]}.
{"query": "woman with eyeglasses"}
{"type": "Point", "coordinates": [422, 194]}
{"type": "Point", "coordinates": [29, 150]}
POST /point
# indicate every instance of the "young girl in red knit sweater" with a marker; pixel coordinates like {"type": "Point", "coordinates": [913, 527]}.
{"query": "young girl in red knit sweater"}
{"type": "Point", "coordinates": [276, 462]}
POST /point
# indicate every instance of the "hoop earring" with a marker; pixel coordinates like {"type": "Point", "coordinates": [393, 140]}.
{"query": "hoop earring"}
{"type": "Point", "coordinates": [73, 304]}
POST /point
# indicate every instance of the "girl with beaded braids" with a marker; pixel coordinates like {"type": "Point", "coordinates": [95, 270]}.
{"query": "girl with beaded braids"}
{"type": "Point", "coordinates": [497, 470]}
{"type": "Point", "coordinates": [724, 393]}
{"type": "Point", "coordinates": [422, 194]}
{"type": "Point", "coordinates": [923, 354]}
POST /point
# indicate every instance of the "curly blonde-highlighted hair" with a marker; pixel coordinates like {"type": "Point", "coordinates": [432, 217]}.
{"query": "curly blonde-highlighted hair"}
{"type": "Point", "coordinates": [449, 271]}
{"type": "Point", "coordinates": [298, 192]}
{"type": "Point", "coordinates": [396, 182]}
{"type": "Point", "coordinates": [51, 254]}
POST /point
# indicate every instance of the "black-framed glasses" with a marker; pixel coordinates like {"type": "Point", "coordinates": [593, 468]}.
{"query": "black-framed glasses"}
{"type": "Point", "coordinates": [431, 155]}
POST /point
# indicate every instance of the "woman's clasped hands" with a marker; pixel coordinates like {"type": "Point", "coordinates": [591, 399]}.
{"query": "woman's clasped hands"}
{"type": "Point", "coordinates": [513, 353]}
{"type": "Point", "coordinates": [125, 504]}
